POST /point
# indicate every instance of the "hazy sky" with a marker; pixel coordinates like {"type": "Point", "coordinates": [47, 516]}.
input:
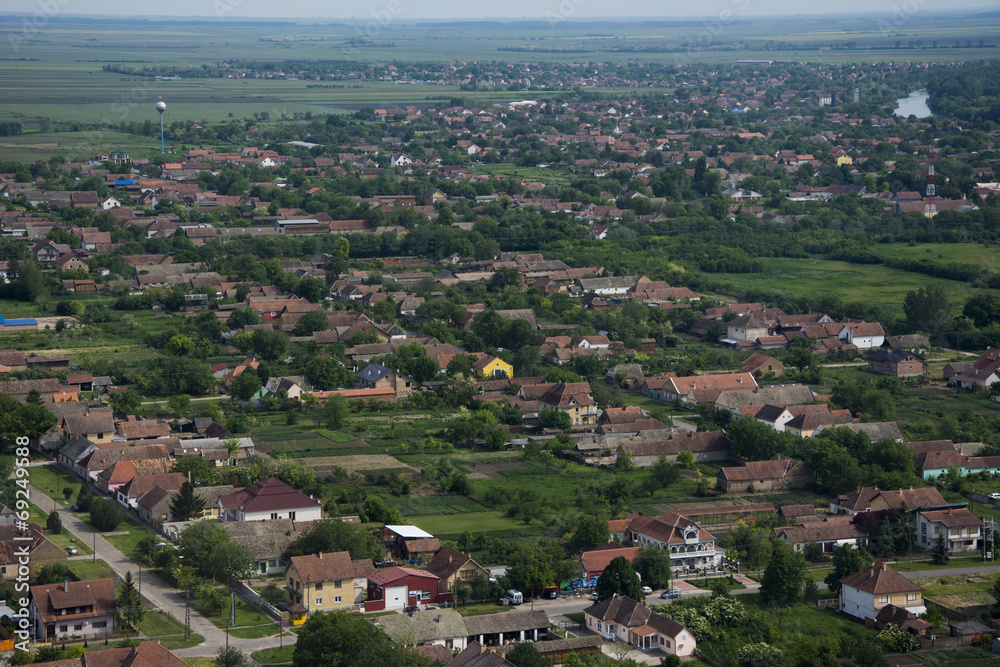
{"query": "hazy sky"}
{"type": "Point", "coordinates": [540, 9]}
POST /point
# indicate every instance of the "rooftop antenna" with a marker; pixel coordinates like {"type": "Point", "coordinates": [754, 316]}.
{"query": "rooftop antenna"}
{"type": "Point", "coordinates": [930, 205]}
{"type": "Point", "coordinates": [161, 107]}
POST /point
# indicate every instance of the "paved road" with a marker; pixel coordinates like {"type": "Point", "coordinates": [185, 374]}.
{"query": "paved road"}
{"type": "Point", "coordinates": [945, 572]}
{"type": "Point", "coordinates": [155, 591]}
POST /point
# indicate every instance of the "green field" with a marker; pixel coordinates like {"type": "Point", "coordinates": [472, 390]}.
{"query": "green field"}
{"type": "Point", "coordinates": [850, 282]}
{"type": "Point", "coordinates": [478, 522]}
{"type": "Point", "coordinates": [968, 253]}
{"type": "Point", "coordinates": [168, 630]}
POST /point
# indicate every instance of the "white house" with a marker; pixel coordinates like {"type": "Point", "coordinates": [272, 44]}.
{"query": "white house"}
{"type": "Point", "coordinates": [399, 160]}
{"type": "Point", "coordinates": [865, 335]}
{"type": "Point", "coordinates": [591, 342]}
{"type": "Point", "coordinates": [110, 203]}
{"type": "Point", "coordinates": [864, 593]}
{"type": "Point", "coordinates": [960, 528]}
{"type": "Point", "coordinates": [268, 499]}
{"type": "Point", "coordinates": [625, 620]}
{"type": "Point", "coordinates": [691, 547]}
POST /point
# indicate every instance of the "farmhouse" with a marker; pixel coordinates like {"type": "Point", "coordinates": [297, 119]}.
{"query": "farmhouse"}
{"type": "Point", "coordinates": [326, 582]}
{"type": "Point", "coordinates": [623, 619]}
{"type": "Point", "coordinates": [780, 472]}
{"type": "Point", "coordinates": [73, 608]}
{"type": "Point", "coordinates": [268, 499]}
{"type": "Point", "coordinates": [898, 363]}
{"type": "Point", "coordinates": [864, 593]}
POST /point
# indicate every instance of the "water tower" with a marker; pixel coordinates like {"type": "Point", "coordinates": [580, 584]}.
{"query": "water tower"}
{"type": "Point", "coordinates": [161, 107]}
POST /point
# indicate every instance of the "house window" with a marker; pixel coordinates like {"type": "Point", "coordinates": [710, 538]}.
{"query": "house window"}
{"type": "Point", "coordinates": [319, 601]}
{"type": "Point", "coordinates": [274, 515]}
{"type": "Point", "coordinates": [910, 597]}
{"type": "Point", "coordinates": [99, 624]}
{"type": "Point", "coordinates": [291, 581]}
{"type": "Point", "coordinates": [78, 627]}
{"type": "Point", "coordinates": [449, 643]}
{"type": "Point", "coordinates": [883, 599]}
{"type": "Point", "coordinates": [291, 515]}
{"type": "Point", "coordinates": [62, 628]}
{"type": "Point", "coordinates": [319, 585]}
{"type": "Point", "coordinates": [425, 595]}
{"type": "Point", "coordinates": [598, 626]}
{"type": "Point", "coordinates": [337, 584]}
{"type": "Point", "coordinates": [337, 599]}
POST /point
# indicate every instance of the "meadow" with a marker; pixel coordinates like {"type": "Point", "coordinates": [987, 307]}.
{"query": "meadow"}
{"type": "Point", "coordinates": [851, 282]}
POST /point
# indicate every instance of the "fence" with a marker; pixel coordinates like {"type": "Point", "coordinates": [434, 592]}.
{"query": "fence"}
{"type": "Point", "coordinates": [254, 598]}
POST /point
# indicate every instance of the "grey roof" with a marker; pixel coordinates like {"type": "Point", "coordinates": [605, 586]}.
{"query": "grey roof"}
{"type": "Point", "coordinates": [266, 539]}
{"type": "Point", "coordinates": [878, 430]}
{"type": "Point", "coordinates": [77, 448]}
{"type": "Point", "coordinates": [793, 395]}
{"type": "Point", "coordinates": [511, 621]}
{"type": "Point", "coordinates": [424, 626]}
{"type": "Point", "coordinates": [373, 372]}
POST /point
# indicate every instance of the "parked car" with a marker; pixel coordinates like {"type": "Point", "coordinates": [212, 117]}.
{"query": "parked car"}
{"type": "Point", "coordinates": [410, 608]}
{"type": "Point", "coordinates": [71, 551]}
{"type": "Point", "coordinates": [74, 508]}
{"type": "Point", "coordinates": [672, 593]}
{"type": "Point", "coordinates": [646, 590]}
{"type": "Point", "coordinates": [593, 596]}
{"type": "Point", "coordinates": [550, 595]}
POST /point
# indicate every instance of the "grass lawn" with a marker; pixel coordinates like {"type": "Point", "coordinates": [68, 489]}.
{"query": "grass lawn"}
{"type": "Point", "coordinates": [86, 569]}
{"type": "Point", "coordinates": [126, 543]}
{"type": "Point", "coordinates": [254, 631]}
{"type": "Point", "coordinates": [63, 539]}
{"type": "Point", "coordinates": [475, 522]}
{"type": "Point", "coordinates": [50, 480]}
{"type": "Point", "coordinates": [246, 618]}
{"type": "Point", "coordinates": [170, 631]}
{"type": "Point", "coordinates": [473, 608]}
{"type": "Point", "coordinates": [200, 662]}
{"type": "Point", "coordinates": [274, 655]}
{"type": "Point", "coordinates": [959, 590]}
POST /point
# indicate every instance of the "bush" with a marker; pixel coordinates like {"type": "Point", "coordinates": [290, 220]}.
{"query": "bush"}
{"type": "Point", "coordinates": [54, 523]}
{"type": "Point", "coordinates": [106, 514]}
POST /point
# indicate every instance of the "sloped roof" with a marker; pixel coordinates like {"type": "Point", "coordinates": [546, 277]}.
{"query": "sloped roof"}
{"type": "Point", "coordinates": [267, 496]}
{"type": "Point", "coordinates": [331, 567]}
{"type": "Point", "coordinates": [597, 561]}
{"type": "Point", "coordinates": [631, 614]}
{"type": "Point", "coordinates": [831, 528]}
{"type": "Point", "coordinates": [954, 518]}
{"type": "Point", "coordinates": [880, 581]}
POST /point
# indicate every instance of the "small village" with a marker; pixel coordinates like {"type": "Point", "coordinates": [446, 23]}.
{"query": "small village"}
{"type": "Point", "coordinates": [489, 380]}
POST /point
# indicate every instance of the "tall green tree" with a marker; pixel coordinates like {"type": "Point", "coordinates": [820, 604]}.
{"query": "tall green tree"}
{"type": "Point", "coordinates": [846, 561]}
{"type": "Point", "coordinates": [928, 309]}
{"type": "Point", "coordinates": [187, 504]}
{"type": "Point", "coordinates": [591, 531]}
{"type": "Point", "coordinates": [130, 602]}
{"type": "Point", "coordinates": [939, 552]}
{"type": "Point", "coordinates": [106, 514]}
{"type": "Point", "coordinates": [653, 565]}
{"type": "Point", "coordinates": [619, 578]}
{"type": "Point", "coordinates": [784, 576]}
{"type": "Point", "coordinates": [230, 656]}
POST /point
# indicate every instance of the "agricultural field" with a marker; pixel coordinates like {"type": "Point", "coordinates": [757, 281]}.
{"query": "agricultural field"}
{"type": "Point", "coordinates": [850, 282]}
{"type": "Point", "coordinates": [980, 254]}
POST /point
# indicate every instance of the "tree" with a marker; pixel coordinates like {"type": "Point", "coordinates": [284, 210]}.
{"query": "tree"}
{"type": "Point", "coordinates": [897, 640]}
{"type": "Point", "coordinates": [201, 470]}
{"type": "Point", "coordinates": [125, 403]}
{"type": "Point", "coordinates": [754, 440]}
{"type": "Point", "coordinates": [242, 317]}
{"type": "Point", "coordinates": [939, 552]}
{"type": "Point", "coordinates": [336, 412]}
{"type": "Point", "coordinates": [230, 656]}
{"type": "Point", "coordinates": [332, 639]}
{"type": "Point", "coordinates": [591, 531]}
{"type": "Point", "coordinates": [664, 472]}
{"type": "Point", "coordinates": [53, 523]}
{"type": "Point", "coordinates": [269, 344]}
{"type": "Point", "coordinates": [310, 323]}
{"type": "Point", "coordinates": [784, 576]}
{"type": "Point", "coordinates": [84, 498]}
{"type": "Point", "coordinates": [653, 565]}
{"type": "Point", "coordinates": [130, 602]}
{"type": "Point", "coordinates": [983, 309]}
{"type": "Point", "coordinates": [245, 385]}
{"type": "Point", "coordinates": [526, 655]}
{"type": "Point", "coordinates": [335, 535]}
{"type": "Point", "coordinates": [619, 578]}
{"type": "Point", "coordinates": [106, 514]}
{"type": "Point", "coordinates": [52, 574]}
{"type": "Point", "coordinates": [846, 561]}
{"type": "Point", "coordinates": [928, 309]}
{"type": "Point", "coordinates": [553, 418]}
{"type": "Point", "coordinates": [187, 505]}
{"type": "Point", "coordinates": [326, 374]}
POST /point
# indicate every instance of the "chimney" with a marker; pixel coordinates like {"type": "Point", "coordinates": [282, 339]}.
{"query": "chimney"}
{"type": "Point", "coordinates": [321, 555]}
{"type": "Point", "coordinates": [65, 586]}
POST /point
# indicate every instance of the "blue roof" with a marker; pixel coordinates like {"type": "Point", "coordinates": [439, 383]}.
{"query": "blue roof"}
{"type": "Point", "coordinates": [125, 182]}
{"type": "Point", "coordinates": [21, 322]}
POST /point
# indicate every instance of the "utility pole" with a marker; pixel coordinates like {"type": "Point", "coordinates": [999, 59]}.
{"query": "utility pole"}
{"type": "Point", "coordinates": [95, 545]}
{"type": "Point", "coordinates": [187, 613]}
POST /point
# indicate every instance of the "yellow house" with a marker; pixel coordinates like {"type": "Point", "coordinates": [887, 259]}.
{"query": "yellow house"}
{"type": "Point", "coordinates": [326, 582]}
{"type": "Point", "coordinates": [98, 427]}
{"type": "Point", "coordinates": [489, 368]}
{"type": "Point", "coordinates": [844, 159]}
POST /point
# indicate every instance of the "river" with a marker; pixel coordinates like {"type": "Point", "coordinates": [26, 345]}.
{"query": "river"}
{"type": "Point", "coordinates": [915, 104]}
